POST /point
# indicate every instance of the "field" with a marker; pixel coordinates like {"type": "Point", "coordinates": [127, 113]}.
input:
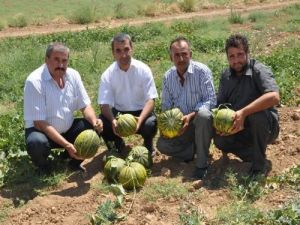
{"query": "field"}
{"type": "Point", "coordinates": [226, 196]}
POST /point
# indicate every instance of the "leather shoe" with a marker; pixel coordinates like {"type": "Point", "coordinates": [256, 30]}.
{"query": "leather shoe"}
{"type": "Point", "coordinates": [199, 173]}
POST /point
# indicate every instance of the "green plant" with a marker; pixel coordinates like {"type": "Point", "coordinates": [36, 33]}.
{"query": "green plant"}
{"type": "Point", "coordinates": [235, 17]}
{"type": "Point", "coordinates": [255, 16]}
{"type": "Point", "coordinates": [165, 189]}
{"type": "Point", "coordinates": [237, 213]}
{"type": "Point", "coordinates": [244, 189]}
{"type": "Point", "coordinates": [2, 25]}
{"type": "Point", "coordinates": [190, 215]}
{"type": "Point", "coordinates": [83, 15]}
{"type": "Point", "coordinates": [187, 5]}
{"type": "Point", "coordinates": [105, 214]}
{"type": "Point", "coordinates": [18, 20]}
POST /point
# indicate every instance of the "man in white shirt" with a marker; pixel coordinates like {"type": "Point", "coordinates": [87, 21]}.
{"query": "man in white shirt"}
{"type": "Point", "coordinates": [127, 86]}
{"type": "Point", "coordinates": [52, 93]}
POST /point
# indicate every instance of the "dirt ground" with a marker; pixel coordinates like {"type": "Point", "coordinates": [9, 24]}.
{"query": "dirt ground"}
{"type": "Point", "coordinates": [75, 199]}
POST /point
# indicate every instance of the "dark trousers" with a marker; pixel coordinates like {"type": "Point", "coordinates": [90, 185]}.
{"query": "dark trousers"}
{"type": "Point", "coordinates": [250, 144]}
{"type": "Point", "coordinates": [147, 130]}
{"type": "Point", "coordinates": [39, 146]}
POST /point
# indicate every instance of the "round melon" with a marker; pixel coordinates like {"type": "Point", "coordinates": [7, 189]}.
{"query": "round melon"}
{"type": "Point", "coordinates": [133, 175]}
{"type": "Point", "coordinates": [112, 168]}
{"type": "Point", "coordinates": [87, 144]}
{"type": "Point", "coordinates": [141, 155]}
{"type": "Point", "coordinates": [169, 122]}
{"type": "Point", "coordinates": [223, 119]}
{"type": "Point", "coordinates": [126, 125]}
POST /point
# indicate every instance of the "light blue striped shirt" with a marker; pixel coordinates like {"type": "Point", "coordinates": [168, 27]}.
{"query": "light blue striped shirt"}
{"type": "Point", "coordinates": [45, 100]}
{"type": "Point", "coordinates": [197, 91]}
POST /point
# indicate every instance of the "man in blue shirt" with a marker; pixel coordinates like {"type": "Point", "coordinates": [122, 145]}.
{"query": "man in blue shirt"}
{"type": "Point", "coordinates": [188, 85]}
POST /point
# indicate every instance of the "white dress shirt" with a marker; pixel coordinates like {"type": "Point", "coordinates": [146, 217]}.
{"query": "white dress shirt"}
{"type": "Point", "coordinates": [127, 90]}
{"type": "Point", "coordinates": [45, 100]}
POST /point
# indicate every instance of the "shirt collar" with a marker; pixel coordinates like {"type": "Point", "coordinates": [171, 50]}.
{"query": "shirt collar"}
{"type": "Point", "coordinates": [133, 63]}
{"type": "Point", "coordinates": [190, 70]}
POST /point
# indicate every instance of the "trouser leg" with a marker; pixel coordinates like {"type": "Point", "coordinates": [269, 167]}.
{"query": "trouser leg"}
{"type": "Point", "coordinates": [203, 136]}
{"type": "Point", "coordinates": [38, 147]}
{"type": "Point", "coordinates": [147, 131]}
{"type": "Point", "coordinates": [181, 147]}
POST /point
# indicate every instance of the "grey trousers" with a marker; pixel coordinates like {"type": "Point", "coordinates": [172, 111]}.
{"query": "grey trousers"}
{"type": "Point", "coordinates": [196, 140]}
{"type": "Point", "coordinates": [250, 144]}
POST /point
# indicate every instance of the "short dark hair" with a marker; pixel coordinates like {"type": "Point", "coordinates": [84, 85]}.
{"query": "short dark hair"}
{"type": "Point", "coordinates": [56, 46]}
{"type": "Point", "coordinates": [179, 39]}
{"type": "Point", "coordinates": [236, 41]}
{"type": "Point", "coordinates": [120, 37]}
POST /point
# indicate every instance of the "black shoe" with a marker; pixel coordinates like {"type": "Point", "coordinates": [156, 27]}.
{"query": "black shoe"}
{"type": "Point", "coordinates": [74, 165]}
{"type": "Point", "coordinates": [199, 173]}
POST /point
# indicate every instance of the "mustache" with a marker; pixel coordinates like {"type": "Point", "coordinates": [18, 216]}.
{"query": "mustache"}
{"type": "Point", "coordinates": [60, 68]}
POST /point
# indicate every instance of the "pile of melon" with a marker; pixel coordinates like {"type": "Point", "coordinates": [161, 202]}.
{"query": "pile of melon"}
{"type": "Point", "coordinates": [131, 172]}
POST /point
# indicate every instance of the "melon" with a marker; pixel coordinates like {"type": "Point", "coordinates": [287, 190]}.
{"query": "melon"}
{"type": "Point", "coordinates": [170, 123]}
{"type": "Point", "coordinates": [126, 125]}
{"type": "Point", "coordinates": [133, 175]}
{"type": "Point", "coordinates": [141, 155]}
{"type": "Point", "coordinates": [112, 168]}
{"type": "Point", "coordinates": [223, 119]}
{"type": "Point", "coordinates": [87, 144]}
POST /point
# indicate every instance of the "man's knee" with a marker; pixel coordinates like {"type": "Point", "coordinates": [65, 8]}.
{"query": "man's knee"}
{"type": "Point", "coordinates": [149, 128]}
{"type": "Point", "coordinates": [203, 117]}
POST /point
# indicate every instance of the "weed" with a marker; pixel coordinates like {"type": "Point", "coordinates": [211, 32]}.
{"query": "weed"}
{"type": "Point", "coordinates": [187, 5]}
{"type": "Point", "coordinates": [18, 20]}
{"type": "Point", "coordinates": [166, 189]}
{"type": "Point", "coordinates": [244, 189]}
{"type": "Point", "coordinates": [190, 215]}
{"type": "Point", "coordinates": [255, 16]}
{"type": "Point", "coordinates": [83, 15]}
{"type": "Point", "coordinates": [2, 25]}
{"type": "Point", "coordinates": [235, 17]}
{"type": "Point", "coordinates": [105, 214]}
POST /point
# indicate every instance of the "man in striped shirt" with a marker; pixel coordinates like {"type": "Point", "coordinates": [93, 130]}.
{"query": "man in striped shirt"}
{"type": "Point", "coordinates": [52, 93]}
{"type": "Point", "coordinates": [188, 85]}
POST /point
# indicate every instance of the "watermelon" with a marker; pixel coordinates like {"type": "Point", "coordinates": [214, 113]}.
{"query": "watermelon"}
{"type": "Point", "coordinates": [87, 144]}
{"type": "Point", "coordinates": [133, 175]}
{"type": "Point", "coordinates": [141, 155]}
{"type": "Point", "coordinates": [170, 123]}
{"type": "Point", "coordinates": [126, 125]}
{"type": "Point", "coordinates": [223, 119]}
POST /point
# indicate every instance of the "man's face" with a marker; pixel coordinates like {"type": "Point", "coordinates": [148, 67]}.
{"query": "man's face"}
{"type": "Point", "coordinates": [57, 63]}
{"type": "Point", "coordinates": [237, 59]}
{"type": "Point", "coordinates": [122, 52]}
{"type": "Point", "coordinates": [180, 55]}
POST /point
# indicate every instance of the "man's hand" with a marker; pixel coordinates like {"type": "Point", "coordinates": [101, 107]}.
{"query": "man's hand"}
{"type": "Point", "coordinates": [114, 125]}
{"type": "Point", "coordinates": [238, 124]}
{"type": "Point", "coordinates": [98, 126]}
{"type": "Point", "coordinates": [72, 151]}
{"type": "Point", "coordinates": [186, 119]}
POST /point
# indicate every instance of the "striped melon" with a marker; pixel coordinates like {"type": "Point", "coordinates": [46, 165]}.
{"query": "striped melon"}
{"type": "Point", "coordinates": [87, 144]}
{"type": "Point", "coordinates": [170, 122]}
{"type": "Point", "coordinates": [112, 168]}
{"type": "Point", "coordinates": [126, 125]}
{"type": "Point", "coordinates": [223, 119]}
{"type": "Point", "coordinates": [141, 155]}
{"type": "Point", "coordinates": [133, 175]}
